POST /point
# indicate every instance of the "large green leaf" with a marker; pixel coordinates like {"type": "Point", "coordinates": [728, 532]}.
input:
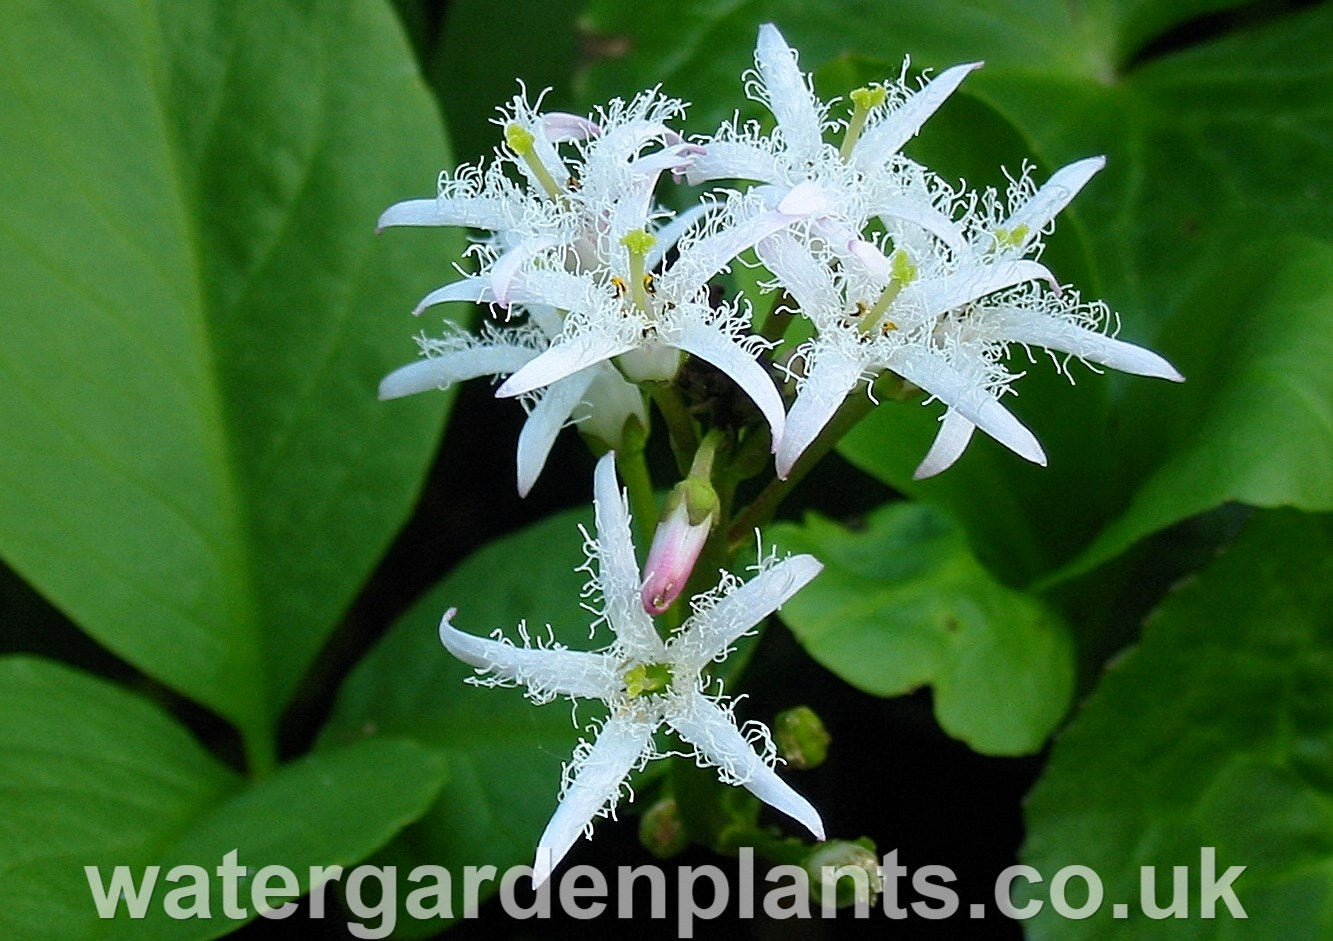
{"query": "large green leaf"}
{"type": "Point", "coordinates": [902, 603]}
{"type": "Point", "coordinates": [1255, 421]}
{"type": "Point", "coordinates": [1214, 149]}
{"type": "Point", "coordinates": [196, 467]}
{"type": "Point", "coordinates": [1215, 732]}
{"type": "Point", "coordinates": [95, 776]}
{"type": "Point", "coordinates": [504, 753]}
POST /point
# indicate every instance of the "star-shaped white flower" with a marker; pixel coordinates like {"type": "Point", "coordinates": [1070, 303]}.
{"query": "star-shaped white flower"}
{"type": "Point", "coordinates": [944, 319]}
{"type": "Point", "coordinates": [577, 250]}
{"type": "Point", "coordinates": [619, 309]}
{"type": "Point", "coordinates": [560, 212]}
{"type": "Point", "coordinates": [618, 155]}
{"type": "Point", "coordinates": [865, 178]}
{"type": "Point", "coordinates": [646, 682]}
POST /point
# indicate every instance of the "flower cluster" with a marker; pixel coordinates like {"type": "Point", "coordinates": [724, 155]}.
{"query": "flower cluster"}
{"type": "Point", "coordinates": [603, 302]}
{"type": "Point", "coordinates": [601, 289]}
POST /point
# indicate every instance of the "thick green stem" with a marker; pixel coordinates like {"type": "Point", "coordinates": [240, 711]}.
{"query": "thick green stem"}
{"type": "Point", "coordinates": [680, 426]}
{"type": "Point", "coordinates": [852, 410]}
{"type": "Point", "coordinates": [642, 504]}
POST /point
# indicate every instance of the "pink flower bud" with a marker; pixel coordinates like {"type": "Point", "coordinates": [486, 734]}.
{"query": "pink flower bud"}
{"type": "Point", "coordinates": [676, 547]}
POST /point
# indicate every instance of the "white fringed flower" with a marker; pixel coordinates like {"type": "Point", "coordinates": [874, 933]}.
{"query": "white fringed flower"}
{"type": "Point", "coordinates": [619, 154]}
{"type": "Point", "coordinates": [864, 179]}
{"type": "Point", "coordinates": [619, 309]}
{"type": "Point", "coordinates": [944, 319]}
{"type": "Point", "coordinates": [646, 683]}
{"type": "Point", "coordinates": [583, 241]}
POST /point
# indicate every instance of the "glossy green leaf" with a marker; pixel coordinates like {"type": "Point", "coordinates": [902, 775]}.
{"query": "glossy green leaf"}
{"type": "Point", "coordinates": [1255, 422]}
{"type": "Point", "coordinates": [504, 753]}
{"type": "Point", "coordinates": [1214, 732]}
{"type": "Point", "coordinates": [902, 603]}
{"type": "Point", "coordinates": [99, 777]}
{"type": "Point", "coordinates": [196, 467]}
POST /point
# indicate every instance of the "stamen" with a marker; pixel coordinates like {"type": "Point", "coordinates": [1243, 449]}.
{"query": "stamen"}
{"type": "Point", "coordinates": [864, 100]}
{"type": "Point", "coordinates": [521, 141]}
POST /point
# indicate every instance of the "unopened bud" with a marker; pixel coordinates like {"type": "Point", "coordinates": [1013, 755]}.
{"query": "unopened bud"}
{"type": "Point", "coordinates": [661, 830]}
{"type": "Point", "coordinates": [690, 512]}
{"type": "Point", "coordinates": [801, 737]}
{"type": "Point", "coordinates": [848, 872]}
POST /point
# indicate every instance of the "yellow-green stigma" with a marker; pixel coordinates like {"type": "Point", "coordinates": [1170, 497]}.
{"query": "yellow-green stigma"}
{"type": "Point", "coordinates": [864, 100]}
{"type": "Point", "coordinates": [901, 273]}
{"type": "Point", "coordinates": [521, 141]}
{"type": "Point", "coordinates": [640, 243]}
{"type": "Point", "coordinates": [1011, 238]}
{"type": "Point", "coordinates": [647, 678]}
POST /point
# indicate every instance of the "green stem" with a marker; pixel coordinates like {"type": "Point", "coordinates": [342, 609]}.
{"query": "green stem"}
{"type": "Point", "coordinates": [680, 426]}
{"type": "Point", "coordinates": [642, 504]}
{"type": "Point", "coordinates": [852, 410]}
{"type": "Point", "coordinates": [748, 459]}
{"type": "Point", "coordinates": [768, 845]}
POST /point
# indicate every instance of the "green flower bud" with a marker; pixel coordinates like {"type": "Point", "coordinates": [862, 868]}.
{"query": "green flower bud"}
{"type": "Point", "coordinates": [850, 870]}
{"type": "Point", "coordinates": [801, 737]}
{"type": "Point", "coordinates": [661, 830]}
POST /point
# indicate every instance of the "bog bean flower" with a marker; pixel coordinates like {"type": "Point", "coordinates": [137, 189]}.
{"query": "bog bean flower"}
{"type": "Point", "coordinates": [646, 682]}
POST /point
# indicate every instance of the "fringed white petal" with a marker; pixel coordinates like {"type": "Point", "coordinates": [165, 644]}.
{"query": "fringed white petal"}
{"type": "Point", "coordinates": [711, 632]}
{"type": "Point", "coordinates": [564, 358]}
{"type": "Point", "coordinates": [476, 288]}
{"type": "Point", "coordinates": [832, 375]}
{"type": "Point", "coordinates": [950, 443]}
{"type": "Point", "coordinates": [735, 160]}
{"type": "Point", "coordinates": [714, 735]}
{"type": "Point", "coordinates": [439, 371]}
{"type": "Point", "coordinates": [924, 216]}
{"type": "Point", "coordinates": [478, 212]}
{"type": "Point", "coordinates": [632, 204]}
{"type": "Point", "coordinates": [702, 259]}
{"type": "Point", "coordinates": [937, 295]}
{"type": "Point", "coordinates": [617, 569]}
{"type": "Point", "coordinates": [809, 281]}
{"type": "Point", "coordinates": [596, 782]}
{"type": "Point", "coordinates": [557, 288]}
{"type": "Point", "coordinates": [545, 671]}
{"type": "Point", "coordinates": [789, 96]}
{"type": "Point", "coordinates": [1054, 196]}
{"type": "Point", "coordinates": [888, 136]}
{"type": "Point", "coordinates": [547, 417]}
{"type": "Point", "coordinates": [933, 374]}
{"type": "Point", "coordinates": [1020, 326]}
{"type": "Point", "coordinates": [505, 269]}
{"type": "Point", "coordinates": [713, 345]}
